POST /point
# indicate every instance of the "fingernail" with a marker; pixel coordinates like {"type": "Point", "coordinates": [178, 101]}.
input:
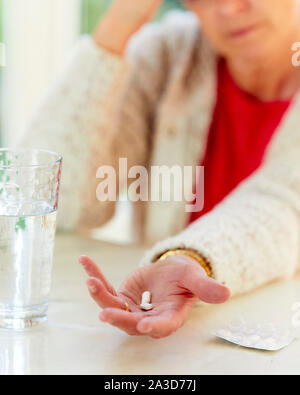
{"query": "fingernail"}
{"type": "Point", "coordinates": [146, 329]}
{"type": "Point", "coordinates": [103, 317]}
{"type": "Point", "coordinates": [106, 319]}
{"type": "Point", "coordinates": [92, 288]}
{"type": "Point", "coordinates": [82, 259]}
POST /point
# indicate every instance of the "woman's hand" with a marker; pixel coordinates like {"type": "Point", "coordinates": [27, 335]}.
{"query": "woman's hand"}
{"type": "Point", "coordinates": [175, 285]}
{"type": "Point", "coordinates": [122, 20]}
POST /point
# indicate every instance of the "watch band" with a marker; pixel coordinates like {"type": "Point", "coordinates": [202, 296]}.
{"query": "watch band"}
{"type": "Point", "coordinates": [190, 253]}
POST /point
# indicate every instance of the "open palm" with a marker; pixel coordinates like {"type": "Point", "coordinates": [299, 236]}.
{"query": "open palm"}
{"type": "Point", "coordinates": [175, 285]}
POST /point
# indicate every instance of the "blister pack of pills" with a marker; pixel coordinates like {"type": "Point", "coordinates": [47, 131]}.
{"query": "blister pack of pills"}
{"type": "Point", "coordinates": [267, 337]}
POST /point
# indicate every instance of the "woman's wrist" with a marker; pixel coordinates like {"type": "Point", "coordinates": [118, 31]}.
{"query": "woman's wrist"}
{"type": "Point", "coordinates": [123, 19]}
{"type": "Point", "coordinates": [111, 37]}
{"type": "Point", "coordinates": [115, 30]}
{"type": "Point", "coordinates": [191, 254]}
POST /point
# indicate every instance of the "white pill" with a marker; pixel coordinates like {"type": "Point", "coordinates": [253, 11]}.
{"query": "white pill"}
{"type": "Point", "coordinates": [146, 299]}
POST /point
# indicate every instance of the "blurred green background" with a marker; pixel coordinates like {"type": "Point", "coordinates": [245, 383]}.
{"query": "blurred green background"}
{"type": "Point", "coordinates": [92, 10]}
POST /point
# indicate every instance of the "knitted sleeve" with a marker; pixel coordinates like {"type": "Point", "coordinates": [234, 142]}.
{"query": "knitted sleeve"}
{"type": "Point", "coordinates": [252, 237]}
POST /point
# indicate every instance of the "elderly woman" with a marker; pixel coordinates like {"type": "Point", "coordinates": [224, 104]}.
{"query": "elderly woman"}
{"type": "Point", "coordinates": [214, 86]}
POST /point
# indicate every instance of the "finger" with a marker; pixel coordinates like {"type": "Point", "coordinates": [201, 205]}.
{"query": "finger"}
{"type": "Point", "coordinates": [121, 319]}
{"type": "Point", "coordinates": [160, 326]}
{"type": "Point", "coordinates": [205, 288]}
{"type": "Point", "coordinates": [101, 295]}
{"type": "Point", "coordinates": [93, 270]}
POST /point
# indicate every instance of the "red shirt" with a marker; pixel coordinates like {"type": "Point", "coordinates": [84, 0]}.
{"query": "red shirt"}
{"type": "Point", "coordinates": [241, 129]}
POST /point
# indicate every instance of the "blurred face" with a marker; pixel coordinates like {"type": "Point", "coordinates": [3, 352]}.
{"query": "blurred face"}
{"type": "Point", "coordinates": [251, 29]}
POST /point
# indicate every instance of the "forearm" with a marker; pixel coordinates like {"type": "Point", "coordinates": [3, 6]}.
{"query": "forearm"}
{"type": "Point", "coordinates": [123, 19]}
{"type": "Point", "coordinates": [113, 32]}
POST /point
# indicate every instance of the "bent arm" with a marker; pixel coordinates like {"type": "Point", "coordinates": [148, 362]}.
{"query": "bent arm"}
{"type": "Point", "coordinates": [100, 109]}
{"type": "Point", "coordinates": [70, 115]}
{"type": "Point", "coordinates": [252, 237]}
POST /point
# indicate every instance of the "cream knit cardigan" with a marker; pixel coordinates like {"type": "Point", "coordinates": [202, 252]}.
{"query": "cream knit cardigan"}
{"type": "Point", "coordinates": [155, 108]}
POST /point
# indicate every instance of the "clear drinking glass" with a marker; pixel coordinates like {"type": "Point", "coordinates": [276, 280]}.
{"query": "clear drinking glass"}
{"type": "Point", "coordinates": [29, 189]}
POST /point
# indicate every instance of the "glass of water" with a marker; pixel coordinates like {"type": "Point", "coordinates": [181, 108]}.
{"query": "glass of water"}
{"type": "Point", "coordinates": [29, 189]}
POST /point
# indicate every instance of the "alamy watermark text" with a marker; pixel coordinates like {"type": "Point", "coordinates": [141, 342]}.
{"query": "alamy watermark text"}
{"type": "Point", "coordinates": [157, 184]}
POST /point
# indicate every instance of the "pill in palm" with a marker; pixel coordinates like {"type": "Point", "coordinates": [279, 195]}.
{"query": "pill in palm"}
{"type": "Point", "coordinates": [146, 299]}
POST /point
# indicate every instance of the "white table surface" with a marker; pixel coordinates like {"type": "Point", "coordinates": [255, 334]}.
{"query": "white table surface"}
{"type": "Point", "coordinates": [75, 342]}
